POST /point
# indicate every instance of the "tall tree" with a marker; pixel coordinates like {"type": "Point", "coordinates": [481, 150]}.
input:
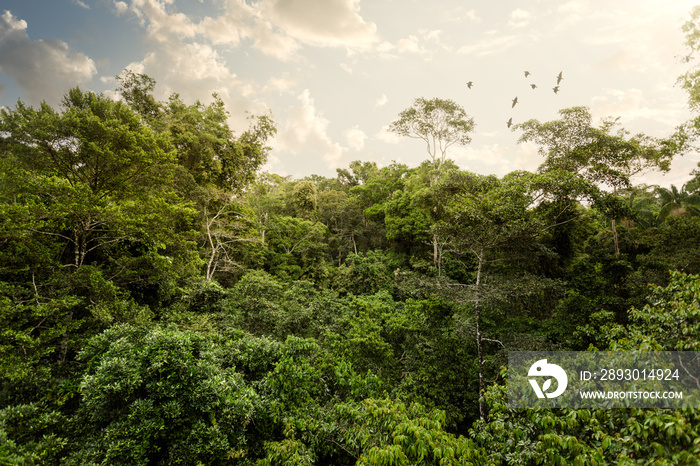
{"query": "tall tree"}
{"type": "Point", "coordinates": [440, 123]}
{"type": "Point", "coordinates": [93, 156]}
{"type": "Point", "coordinates": [87, 200]}
{"type": "Point", "coordinates": [207, 147]}
{"type": "Point", "coordinates": [205, 144]}
{"type": "Point", "coordinates": [492, 221]}
{"type": "Point", "coordinates": [486, 214]}
{"type": "Point", "coordinates": [228, 224]}
{"type": "Point", "coordinates": [603, 155]}
{"type": "Point", "coordinates": [137, 92]}
{"type": "Point", "coordinates": [690, 80]}
{"type": "Point", "coordinates": [305, 199]}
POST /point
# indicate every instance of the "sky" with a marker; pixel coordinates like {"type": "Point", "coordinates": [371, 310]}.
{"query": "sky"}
{"type": "Point", "coordinates": [334, 74]}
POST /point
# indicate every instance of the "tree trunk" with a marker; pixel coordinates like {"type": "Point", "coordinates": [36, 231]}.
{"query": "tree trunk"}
{"type": "Point", "coordinates": [211, 265]}
{"type": "Point", "coordinates": [479, 348]}
{"type": "Point", "coordinates": [614, 230]}
{"type": "Point", "coordinates": [63, 349]}
{"type": "Point", "coordinates": [262, 232]}
{"type": "Point", "coordinates": [80, 245]}
{"type": "Point", "coordinates": [435, 253]}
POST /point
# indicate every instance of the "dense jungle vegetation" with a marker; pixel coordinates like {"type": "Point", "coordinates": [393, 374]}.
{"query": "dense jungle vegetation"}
{"type": "Point", "coordinates": [162, 301]}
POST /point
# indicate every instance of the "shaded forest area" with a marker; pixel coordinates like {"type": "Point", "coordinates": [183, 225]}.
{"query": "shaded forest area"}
{"type": "Point", "coordinates": [164, 302]}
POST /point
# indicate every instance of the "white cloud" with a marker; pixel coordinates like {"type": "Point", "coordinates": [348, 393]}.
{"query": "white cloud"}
{"type": "Point", "coordinates": [162, 26]}
{"type": "Point", "coordinates": [410, 45]}
{"type": "Point", "coordinates": [81, 4]}
{"type": "Point", "coordinates": [492, 43]}
{"type": "Point", "coordinates": [273, 165]}
{"type": "Point", "coordinates": [573, 12]}
{"type": "Point", "coordinates": [121, 7]}
{"type": "Point", "coordinates": [519, 18]}
{"type": "Point", "coordinates": [381, 101]}
{"type": "Point", "coordinates": [197, 62]}
{"type": "Point", "coordinates": [527, 157]}
{"type": "Point", "coordinates": [356, 138]}
{"type": "Point", "coordinates": [187, 67]}
{"type": "Point", "coordinates": [385, 47]}
{"type": "Point", "coordinates": [425, 44]}
{"type": "Point", "coordinates": [649, 111]}
{"type": "Point", "coordinates": [306, 133]}
{"type": "Point", "coordinates": [626, 103]}
{"type": "Point", "coordinates": [232, 26]}
{"type": "Point", "coordinates": [278, 28]}
{"type": "Point", "coordinates": [44, 69]}
{"type": "Point", "coordinates": [279, 46]}
{"type": "Point", "coordinates": [432, 35]}
{"type": "Point", "coordinates": [641, 44]}
{"type": "Point", "coordinates": [329, 23]}
{"type": "Point", "coordinates": [195, 71]}
{"type": "Point", "coordinates": [494, 158]}
{"type": "Point", "coordinates": [281, 84]}
{"type": "Point", "coordinates": [460, 14]}
{"type": "Point", "coordinates": [387, 136]}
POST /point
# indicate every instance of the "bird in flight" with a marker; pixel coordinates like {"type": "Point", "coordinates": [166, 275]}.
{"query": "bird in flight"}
{"type": "Point", "coordinates": [509, 122]}
{"type": "Point", "coordinates": [470, 84]}
{"type": "Point", "coordinates": [515, 101]}
{"type": "Point", "coordinates": [534, 86]}
{"type": "Point", "coordinates": [527, 73]}
{"type": "Point", "coordinates": [555, 89]}
{"type": "Point", "coordinates": [559, 78]}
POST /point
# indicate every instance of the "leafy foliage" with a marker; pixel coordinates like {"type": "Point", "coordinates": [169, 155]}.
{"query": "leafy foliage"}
{"type": "Point", "coordinates": [158, 396]}
{"type": "Point", "coordinates": [163, 302]}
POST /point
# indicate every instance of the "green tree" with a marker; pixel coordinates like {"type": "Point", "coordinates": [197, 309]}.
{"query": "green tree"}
{"type": "Point", "coordinates": [92, 227]}
{"type": "Point", "coordinates": [668, 322]}
{"type": "Point", "coordinates": [32, 434]}
{"type": "Point", "coordinates": [266, 198]}
{"type": "Point", "coordinates": [440, 124]}
{"type": "Point", "coordinates": [297, 247]}
{"type": "Point", "coordinates": [372, 197]}
{"type": "Point", "coordinates": [228, 226]}
{"type": "Point", "coordinates": [492, 221]}
{"type": "Point", "coordinates": [357, 174]}
{"type": "Point", "coordinates": [643, 203]}
{"type": "Point", "coordinates": [137, 92]}
{"type": "Point", "coordinates": [604, 155]}
{"type": "Point", "coordinates": [690, 80]}
{"type": "Point", "coordinates": [305, 198]}
{"type": "Point", "coordinates": [677, 202]}
{"type": "Point", "coordinates": [206, 146]}
{"type": "Point", "coordinates": [585, 436]}
{"type": "Point", "coordinates": [608, 436]}
{"type": "Point", "coordinates": [486, 215]}
{"type": "Point", "coordinates": [161, 396]}
{"type": "Point", "coordinates": [343, 217]}
{"type": "Point", "coordinates": [407, 223]}
{"type": "Point", "coordinates": [97, 158]}
{"type": "Point", "coordinates": [375, 432]}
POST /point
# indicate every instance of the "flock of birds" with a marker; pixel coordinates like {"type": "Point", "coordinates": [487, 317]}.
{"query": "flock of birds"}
{"type": "Point", "coordinates": [534, 86]}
